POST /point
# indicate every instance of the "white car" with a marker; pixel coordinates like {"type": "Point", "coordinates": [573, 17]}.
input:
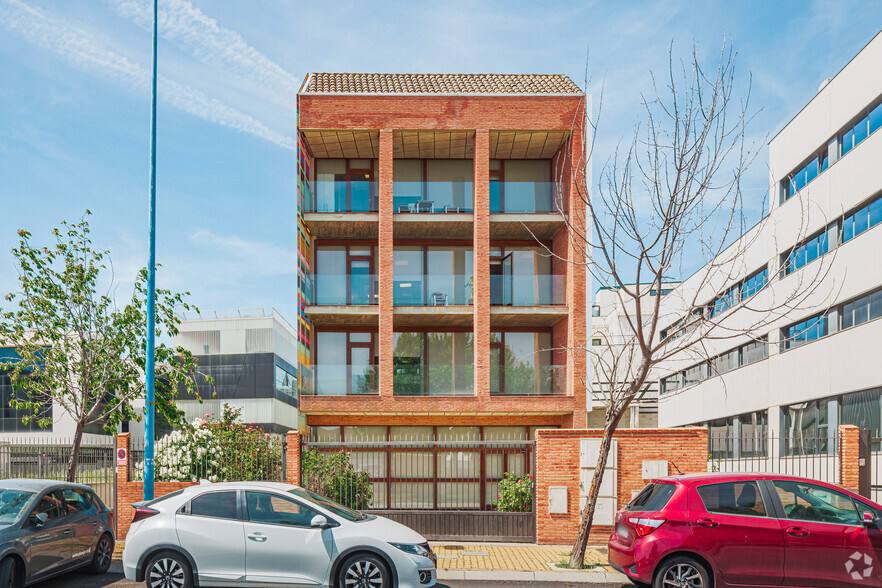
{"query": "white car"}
{"type": "Point", "coordinates": [269, 534]}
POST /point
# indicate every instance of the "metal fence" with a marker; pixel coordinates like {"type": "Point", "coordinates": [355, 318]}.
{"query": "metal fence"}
{"type": "Point", "coordinates": [443, 489]}
{"type": "Point", "coordinates": [48, 458]}
{"type": "Point", "coordinates": [182, 458]}
{"type": "Point", "coordinates": [417, 475]}
{"type": "Point", "coordinates": [875, 466]}
{"type": "Point", "coordinates": [814, 458]}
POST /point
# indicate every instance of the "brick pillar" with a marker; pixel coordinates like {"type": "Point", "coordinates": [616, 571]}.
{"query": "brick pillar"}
{"type": "Point", "coordinates": [292, 457]}
{"type": "Point", "coordinates": [481, 246]}
{"type": "Point", "coordinates": [124, 441]}
{"type": "Point", "coordinates": [576, 295]}
{"type": "Point", "coordinates": [849, 457]}
{"type": "Point", "coordinates": [385, 263]}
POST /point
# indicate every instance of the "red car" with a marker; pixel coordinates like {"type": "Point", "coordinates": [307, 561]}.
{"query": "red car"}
{"type": "Point", "coordinates": [722, 530]}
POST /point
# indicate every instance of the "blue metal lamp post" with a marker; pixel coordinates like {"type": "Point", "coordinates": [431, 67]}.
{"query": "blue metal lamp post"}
{"type": "Point", "coordinates": [151, 286]}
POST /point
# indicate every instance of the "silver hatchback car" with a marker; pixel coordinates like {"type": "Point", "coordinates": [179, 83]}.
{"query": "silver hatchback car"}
{"type": "Point", "coordinates": [269, 534]}
{"type": "Point", "coordinates": [48, 528]}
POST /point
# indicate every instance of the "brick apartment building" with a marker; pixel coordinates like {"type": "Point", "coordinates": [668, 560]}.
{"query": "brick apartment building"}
{"type": "Point", "coordinates": [430, 307]}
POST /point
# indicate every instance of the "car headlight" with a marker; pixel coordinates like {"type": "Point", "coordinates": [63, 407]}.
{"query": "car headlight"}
{"type": "Point", "coordinates": [411, 548]}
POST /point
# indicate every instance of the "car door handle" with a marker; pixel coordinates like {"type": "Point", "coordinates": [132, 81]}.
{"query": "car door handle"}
{"type": "Point", "coordinates": [709, 523]}
{"type": "Point", "coordinates": [67, 532]}
{"type": "Point", "coordinates": [94, 524]}
{"type": "Point", "coordinates": [797, 532]}
{"type": "Point", "coordinates": [259, 537]}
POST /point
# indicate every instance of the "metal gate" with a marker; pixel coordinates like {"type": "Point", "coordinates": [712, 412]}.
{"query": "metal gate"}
{"type": "Point", "coordinates": [47, 459]}
{"type": "Point", "coordinates": [871, 473]}
{"type": "Point", "coordinates": [445, 490]}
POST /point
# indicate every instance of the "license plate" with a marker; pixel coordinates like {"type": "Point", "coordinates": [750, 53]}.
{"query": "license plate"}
{"type": "Point", "coordinates": [622, 531]}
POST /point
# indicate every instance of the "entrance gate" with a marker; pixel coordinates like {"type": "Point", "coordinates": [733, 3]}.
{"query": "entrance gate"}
{"type": "Point", "coordinates": [444, 490]}
{"type": "Point", "coordinates": [871, 472]}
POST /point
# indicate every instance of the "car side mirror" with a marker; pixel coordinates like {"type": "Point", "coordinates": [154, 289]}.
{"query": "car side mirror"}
{"type": "Point", "coordinates": [869, 518]}
{"type": "Point", "coordinates": [39, 519]}
{"type": "Point", "coordinates": [319, 522]}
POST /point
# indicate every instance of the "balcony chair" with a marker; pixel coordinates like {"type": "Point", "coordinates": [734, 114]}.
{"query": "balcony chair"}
{"type": "Point", "coordinates": [439, 299]}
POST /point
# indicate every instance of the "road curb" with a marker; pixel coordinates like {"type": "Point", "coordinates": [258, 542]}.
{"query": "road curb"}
{"type": "Point", "coordinates": [585, 577]}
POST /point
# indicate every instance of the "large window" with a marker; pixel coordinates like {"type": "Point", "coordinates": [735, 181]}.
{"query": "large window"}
{"type": "Point", "coordinates": [345, 274]}
{"type": "Point", "coordinates": [738, 437]}
{"type": "Point", "coordinates": [803, 332]}
{"type": "Point", "coordinates": [808, 251]}
{"type": "Point", "coordinates": [344, 363]}
{"type": "Point", "coordinates": [862, 219]}
{"type": "Point", "coordinates": [862, 129]}
{"type": "Point", "coordinates": [720, 364]}
{"type": "Point", "coordinates": [522, 276]}
{"type": "Point", "coordinates": [434, 364]}
{"type": "Point", "coordinates": [807, 428]}
{"type": "Point", "coordinates": [522, 186]}
{"type": "Point", "coordinates": [433, 185]}
{"type": "Point", "coordinates": [433, 276]}
{"type": "Point", "coordinates": [521, 364]}
{"type": "Point", "coordinates": [345, 185]}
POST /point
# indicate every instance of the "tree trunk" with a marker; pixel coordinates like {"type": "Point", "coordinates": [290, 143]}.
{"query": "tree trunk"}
{"type": "Point", "coordinates": [577, 558]}
{"type": "Point", "coordinates": [75, 453]}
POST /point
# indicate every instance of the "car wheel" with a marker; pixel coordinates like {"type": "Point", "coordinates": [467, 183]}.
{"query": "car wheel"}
{"type": "Point", "coordinates": [9, 575]}
{"type": "Point", "coordinates": [681, 572]}
{"type": "Point", "coordinates": [364, 571]}
{"type": "Point", "coordinates": [102, 556]}
{"type": "Point", "coordinates": [168, 570]}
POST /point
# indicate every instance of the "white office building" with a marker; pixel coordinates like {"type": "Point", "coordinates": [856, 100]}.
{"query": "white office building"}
{"type": "Point", "coordinates": [813, 365]}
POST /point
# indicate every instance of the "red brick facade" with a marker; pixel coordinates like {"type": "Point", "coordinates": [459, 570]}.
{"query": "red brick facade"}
{"type": "Point", "coordinates": [481, 115]}
{"type": "Point", "coordinates": [849, 457]}
{"type": "Point", "coordinates": [557, 464]}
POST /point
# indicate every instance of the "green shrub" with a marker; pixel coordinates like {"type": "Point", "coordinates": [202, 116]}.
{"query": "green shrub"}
{"type": "Point", "coordinates": [515, 493]}
{"type": "Point", "coordinates": [334, 476]}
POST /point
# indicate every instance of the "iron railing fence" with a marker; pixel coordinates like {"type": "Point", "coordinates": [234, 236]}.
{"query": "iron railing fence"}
{"type": "Point", "coordinates": [875, 466]}
{"type": "Point", "coordinates": [415, 475]}
{"type": "Point", "coordinates": [807, 457]}
{"type": "Point", "coordinates": [183, 458]}
{"type": "Point", "coordinates": [48, 458]}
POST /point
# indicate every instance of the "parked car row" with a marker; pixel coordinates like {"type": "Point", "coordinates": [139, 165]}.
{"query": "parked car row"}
{"type": "Point", "coordinates": [722, 530]}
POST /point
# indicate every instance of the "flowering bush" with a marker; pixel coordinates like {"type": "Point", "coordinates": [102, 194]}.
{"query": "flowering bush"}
{"type": "Point", "coordinates": [216, 448]}
{"type": "Point", "coordinates": [334, 476]}
{"type": "Point", "coordinates": [515, 493]}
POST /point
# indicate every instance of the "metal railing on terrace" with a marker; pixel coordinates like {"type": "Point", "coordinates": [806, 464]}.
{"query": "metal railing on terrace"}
{"type": "Point", "coordinates": [528, 290]}
{"type": "Point", "coordinates": [524, 197]}
{"type": "Point", "coordinates": [339, 380]}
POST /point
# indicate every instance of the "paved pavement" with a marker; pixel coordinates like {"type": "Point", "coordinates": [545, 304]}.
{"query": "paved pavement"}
{"type": "Point", "coordinates": [118, 581]}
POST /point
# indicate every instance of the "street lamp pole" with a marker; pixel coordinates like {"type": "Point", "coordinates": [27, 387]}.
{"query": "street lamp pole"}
{"type": "Point", "coordinates": [151, 285]}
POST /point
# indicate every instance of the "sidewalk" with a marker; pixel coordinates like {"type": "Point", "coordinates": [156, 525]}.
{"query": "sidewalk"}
{"type": "Point", "coordinates": [519, 562]}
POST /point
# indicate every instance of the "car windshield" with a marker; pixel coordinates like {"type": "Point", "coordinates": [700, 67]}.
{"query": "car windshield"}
{"type": "Point", "coordinates": [335, 507]}
{"type": "Point", "coordinates": [12, 502]}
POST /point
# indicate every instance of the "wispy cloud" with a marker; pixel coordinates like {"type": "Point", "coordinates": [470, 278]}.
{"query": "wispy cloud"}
{"type": "Point", "coordinates": [191, 29]}
{"type": "Point", "coordinates": [244, 258]}
{"type": "Point", "coordinates": [79, 47]}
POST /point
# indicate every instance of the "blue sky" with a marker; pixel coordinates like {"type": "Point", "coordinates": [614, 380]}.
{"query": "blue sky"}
{"type": "Point", "coordinates": [74, 105]}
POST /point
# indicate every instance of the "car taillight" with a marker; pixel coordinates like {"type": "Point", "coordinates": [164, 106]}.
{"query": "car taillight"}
{"type": "Point", "coordinates": [110, 516]}
{"type": "Point", "coordinates": [143, 512]}
{"type": "Point", "coordinates": [645, 526]}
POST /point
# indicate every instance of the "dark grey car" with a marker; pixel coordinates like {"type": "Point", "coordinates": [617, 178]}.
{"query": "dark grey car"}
{"type": "Point", "coordinates": [48, 528]}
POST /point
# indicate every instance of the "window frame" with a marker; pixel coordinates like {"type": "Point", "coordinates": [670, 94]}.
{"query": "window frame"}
{"type": "Point", "coordinates": [770, 512]}
{"type": "Point", "coordinates": [783, 513]}
{"type": "Point", "coordinates": [288, 497]}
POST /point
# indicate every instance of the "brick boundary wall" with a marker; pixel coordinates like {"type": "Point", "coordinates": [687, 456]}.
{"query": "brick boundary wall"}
{"type": "Point", "coordinates": [128, 491]}
{"type": "Point", "coordinates": [557, 464]}
{"type": "Point", "coordinates": [849, 457]}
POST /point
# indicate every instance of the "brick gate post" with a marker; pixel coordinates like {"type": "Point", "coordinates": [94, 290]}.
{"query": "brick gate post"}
{"type": "Point", "coordinates": [292, 465]}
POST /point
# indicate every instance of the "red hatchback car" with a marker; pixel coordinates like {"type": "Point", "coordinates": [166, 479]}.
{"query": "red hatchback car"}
{"type": "Point", "coordinates": [721, 530]}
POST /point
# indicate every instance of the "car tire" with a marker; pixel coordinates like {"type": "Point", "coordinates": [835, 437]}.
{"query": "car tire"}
{"type": "Point", "coordinates": [367, 568]}
{"type": "Point", "coordinates": [103, 555]}
{"type": "Point", "coordinates": [684, 568]}
{"type": "Point", "coordinates": [9, 574]}
{"type": "Point", "coordinates": [168, 569]}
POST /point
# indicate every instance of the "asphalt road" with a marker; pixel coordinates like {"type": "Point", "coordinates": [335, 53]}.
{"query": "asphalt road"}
{"type": "Point", "coordinates": [118, 581]}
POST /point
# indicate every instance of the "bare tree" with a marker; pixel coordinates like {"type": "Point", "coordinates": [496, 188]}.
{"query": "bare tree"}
{"type": "Point", "coordinates": [672, 198]}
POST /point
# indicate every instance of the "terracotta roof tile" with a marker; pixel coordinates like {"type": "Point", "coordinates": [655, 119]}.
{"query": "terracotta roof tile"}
{"type": "Point", "coordinates": [366, 83]}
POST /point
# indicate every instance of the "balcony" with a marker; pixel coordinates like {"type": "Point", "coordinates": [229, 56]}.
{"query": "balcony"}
{"type": "Point", "coordinates": [342, 299]}
{"type": "Point", "coordinates": [527, 290]}
{"type": "Point", "coordinates": [339, 380]}
{"type": "Point", "coordinates": [344, 208]}
{"type": "Point", "coordinates": [528, 380]}
{"type": "Point", "coordinates": [412, 378]}
{"type": "Point", "coordinates": [525, 210]}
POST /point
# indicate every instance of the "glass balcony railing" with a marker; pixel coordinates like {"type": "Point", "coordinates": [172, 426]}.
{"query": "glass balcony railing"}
{"type": "Point", "coordinates": [343, 290]}
{"type": "Point", "coordinates": [412, 378]}
{"type": "Point", "coordinates": [339, 380]}
{"type": "Point", "coordinates": [527, 290]}
{"type": "Point", "coordinates": [523, 197]}
{"type": "Point", "coordinates": [528, 380]}
{"type": "Point", "coordinates": [441, 197]}
{"type": "Point", "coordinates": [422, 290]}
{"type": "Point", "coordinates": [343, 196]}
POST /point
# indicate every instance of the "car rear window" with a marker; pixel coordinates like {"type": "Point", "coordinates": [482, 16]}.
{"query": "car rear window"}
{"type": "Point", "coordinates": [736, 498]}
{"type": "Point", "coordinates": [651, 498]}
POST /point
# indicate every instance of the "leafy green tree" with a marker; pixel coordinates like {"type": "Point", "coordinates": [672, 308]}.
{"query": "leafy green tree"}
{"type": "Point", "coordinates": [77, 349]}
